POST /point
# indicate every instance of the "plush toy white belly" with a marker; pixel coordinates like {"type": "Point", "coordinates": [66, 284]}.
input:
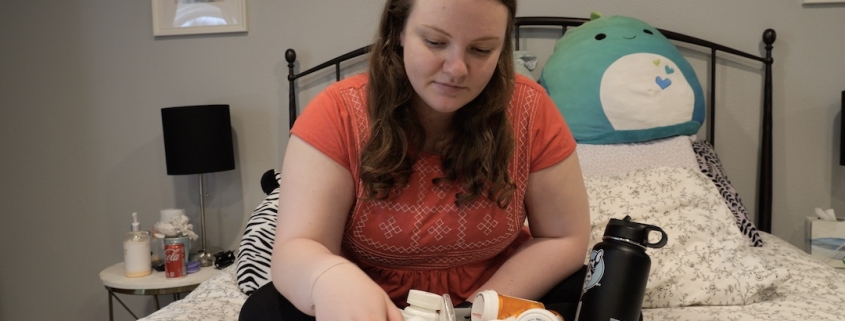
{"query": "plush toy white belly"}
{"type": "Point", "coordinates": [645, 90]}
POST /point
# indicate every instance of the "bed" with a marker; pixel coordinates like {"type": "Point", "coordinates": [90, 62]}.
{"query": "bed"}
{"type": "Point", "coordinates": [717, 265]}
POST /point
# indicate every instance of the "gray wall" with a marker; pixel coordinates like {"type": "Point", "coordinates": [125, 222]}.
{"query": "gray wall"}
{"type": "Point", "coordinates": [82, 82]}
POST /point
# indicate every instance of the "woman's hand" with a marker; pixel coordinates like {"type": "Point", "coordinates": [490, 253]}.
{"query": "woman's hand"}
{"type": "Point", "coordinates": [346, 293]}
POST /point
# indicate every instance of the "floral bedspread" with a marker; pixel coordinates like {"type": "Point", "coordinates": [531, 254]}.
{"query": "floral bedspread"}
{"type": "Point", "coordinates": [218, 298]}
{"type": "Point", "coordinates": [813, 291]}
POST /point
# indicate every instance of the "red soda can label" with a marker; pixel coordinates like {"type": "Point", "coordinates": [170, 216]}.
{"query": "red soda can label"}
{"type": "Point", "coordinates": [174, 260]}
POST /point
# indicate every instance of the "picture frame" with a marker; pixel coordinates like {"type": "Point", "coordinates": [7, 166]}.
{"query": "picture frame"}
{"type": "Point", "coordinates": [823, 1]}
{"type": "Point", "coordinates": [190, 17]}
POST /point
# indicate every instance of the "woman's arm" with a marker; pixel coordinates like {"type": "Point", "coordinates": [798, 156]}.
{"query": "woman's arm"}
{"type": "Point", "coordinates": [559, 219]}
{"type": "Point", "coordinates": [315, 197]}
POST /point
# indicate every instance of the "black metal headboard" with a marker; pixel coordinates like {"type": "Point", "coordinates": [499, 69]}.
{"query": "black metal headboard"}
{"type": "Point", "coordinates": [764, 184]}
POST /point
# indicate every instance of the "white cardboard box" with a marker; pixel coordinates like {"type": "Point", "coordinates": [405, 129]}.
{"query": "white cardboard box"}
{"type": "Point", "coordinates": [825, 239]}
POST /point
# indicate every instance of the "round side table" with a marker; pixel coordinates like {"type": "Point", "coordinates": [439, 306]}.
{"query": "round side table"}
{"type": "Point", "coordinates": [154, 284]}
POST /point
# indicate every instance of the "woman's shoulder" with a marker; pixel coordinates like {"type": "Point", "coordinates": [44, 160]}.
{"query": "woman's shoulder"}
{"type": "Point", "coordinates": [354, 82]}
{"type": "Point", "coordinates": [344, 100]}
{"type": "Point", "coordinates": [524, 83]}
{"type": "Point", "coordinates": [529, 95]}
{"type": "Point", "coordinates": [345, 95]}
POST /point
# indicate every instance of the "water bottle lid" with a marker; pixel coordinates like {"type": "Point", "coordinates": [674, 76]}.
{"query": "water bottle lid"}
{"type": "Point", "coordinates": [634, 232]}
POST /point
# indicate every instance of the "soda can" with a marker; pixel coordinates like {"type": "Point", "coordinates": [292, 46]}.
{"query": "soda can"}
{"type": "Point", "coordinates": [174, 258]}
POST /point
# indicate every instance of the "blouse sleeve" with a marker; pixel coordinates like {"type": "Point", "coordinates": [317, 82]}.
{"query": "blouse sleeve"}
{"type": "Point", "coordinates": [324, 125]}
{"type": "Point", "coordinates": [552, 140]}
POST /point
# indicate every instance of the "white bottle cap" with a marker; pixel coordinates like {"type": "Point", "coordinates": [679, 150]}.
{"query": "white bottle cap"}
{"type": "Point", "coordinates": [486, 306]}
{"type": "Point", "coordinates": [424, 300]}
{"type": "Point", "coordinates": [537, 314]}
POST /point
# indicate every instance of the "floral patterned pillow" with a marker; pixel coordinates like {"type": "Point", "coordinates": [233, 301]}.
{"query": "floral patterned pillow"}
{"type": "Point", "coordinates": [706, 260]}
{"type": "Point", "coordinates": [710, 165]}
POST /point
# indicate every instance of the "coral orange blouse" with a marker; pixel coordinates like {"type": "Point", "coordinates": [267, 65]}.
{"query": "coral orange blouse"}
{"type": "Point", "coordinates": [421, 239]}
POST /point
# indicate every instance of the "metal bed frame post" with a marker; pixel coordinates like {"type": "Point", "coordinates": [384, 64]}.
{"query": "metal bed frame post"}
{"type": "Point", "coordinates": [764, 203]}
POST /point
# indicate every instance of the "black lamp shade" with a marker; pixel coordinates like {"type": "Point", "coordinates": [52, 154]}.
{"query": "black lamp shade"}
{"type": "Point", "coordinates": [197, 139]}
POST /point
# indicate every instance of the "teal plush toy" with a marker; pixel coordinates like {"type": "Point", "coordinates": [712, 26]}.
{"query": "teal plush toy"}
{"type": "Point", "coordinates": [618, 80]}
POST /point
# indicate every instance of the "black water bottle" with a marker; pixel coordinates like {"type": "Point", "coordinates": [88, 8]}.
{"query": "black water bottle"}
{"type": "Point", "coordinates": [618, 272]}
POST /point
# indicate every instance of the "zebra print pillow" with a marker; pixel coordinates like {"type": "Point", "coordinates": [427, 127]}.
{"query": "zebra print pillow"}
{"type": "Point", "coordinates": [712, 167]}
{"type": "Point", "coordinates": [256, 245]}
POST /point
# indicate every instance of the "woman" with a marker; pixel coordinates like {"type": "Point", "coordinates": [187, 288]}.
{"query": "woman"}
{"type": "Point", "coordinates": [421, 173]}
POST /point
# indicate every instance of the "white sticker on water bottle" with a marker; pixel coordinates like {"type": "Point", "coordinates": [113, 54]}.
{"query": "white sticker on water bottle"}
{"type": "Point", "coordinates": [595, 270]}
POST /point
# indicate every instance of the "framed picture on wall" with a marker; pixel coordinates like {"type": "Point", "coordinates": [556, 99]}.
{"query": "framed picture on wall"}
{"type": "Point", "coordinates": [188, 17]}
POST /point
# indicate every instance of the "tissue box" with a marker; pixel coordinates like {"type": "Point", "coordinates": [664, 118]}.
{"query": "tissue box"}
{"type": "Point", "coordinates": [825, 239]}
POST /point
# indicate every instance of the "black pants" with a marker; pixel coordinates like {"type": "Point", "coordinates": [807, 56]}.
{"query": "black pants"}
{"type": "Point", "coordinates": [268, 304]}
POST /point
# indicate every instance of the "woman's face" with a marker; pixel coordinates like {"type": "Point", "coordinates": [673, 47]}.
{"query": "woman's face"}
{"type": "Point", "coordinates": [451, 49]}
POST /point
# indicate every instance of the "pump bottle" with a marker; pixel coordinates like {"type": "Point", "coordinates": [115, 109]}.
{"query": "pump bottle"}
{"type": "Point", "coordinates": [136, 250]}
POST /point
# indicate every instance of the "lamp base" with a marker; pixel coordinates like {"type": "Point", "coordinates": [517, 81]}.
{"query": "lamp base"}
{"type": "Point", "coordinates": [206, 259]}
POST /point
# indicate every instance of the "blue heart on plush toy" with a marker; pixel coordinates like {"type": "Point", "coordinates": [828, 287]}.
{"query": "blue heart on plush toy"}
{"type": "Point", "coordinates": [663, 83]}
{"type": "Point", "coordinates": [601, 78]}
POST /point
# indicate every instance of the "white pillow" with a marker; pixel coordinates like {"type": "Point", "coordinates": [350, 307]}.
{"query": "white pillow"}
{"type": "Point", "coordinates": [617, 159]}
{"type": "Point", "coordinates": [706, 261]}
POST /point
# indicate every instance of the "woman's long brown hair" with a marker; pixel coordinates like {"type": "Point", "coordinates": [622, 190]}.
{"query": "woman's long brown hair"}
{"type": "Point", "coordinates": [478, 155]}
